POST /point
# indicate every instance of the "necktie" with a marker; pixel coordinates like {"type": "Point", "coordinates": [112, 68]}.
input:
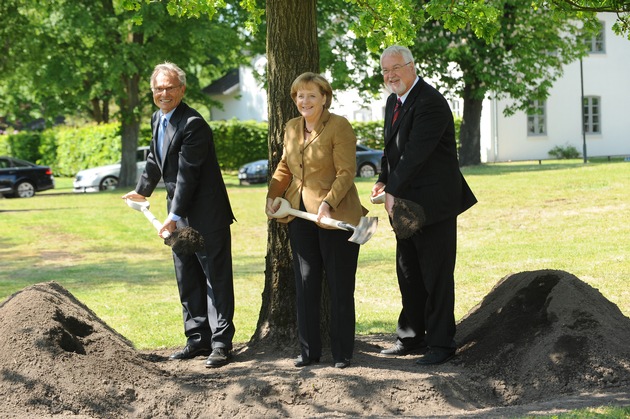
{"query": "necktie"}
{"type": "Point", "coordinates": [396, 110]}
{"type": "Point", "coordinates": [161, 131]}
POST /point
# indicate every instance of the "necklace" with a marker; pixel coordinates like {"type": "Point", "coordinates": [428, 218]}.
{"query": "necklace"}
{"type": "Point", "coordinates": [306, 130]}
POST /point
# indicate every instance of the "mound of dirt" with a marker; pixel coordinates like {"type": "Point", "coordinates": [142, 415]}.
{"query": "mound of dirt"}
{"type": "Point", "coordinates": [545, 332]}
{"type": "Point", "coordinates": [541, 341]}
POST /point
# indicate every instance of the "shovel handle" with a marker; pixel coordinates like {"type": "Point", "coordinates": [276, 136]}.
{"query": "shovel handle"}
{"type": "Point", "coordinates": [285, 209]}
{"type": "Point", "coordinates": [324, 220]}
{"type": "Point", "coordinates": [156, 223]}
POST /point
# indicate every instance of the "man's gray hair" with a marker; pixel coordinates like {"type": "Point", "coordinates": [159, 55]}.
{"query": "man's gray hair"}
{"type": "Point", "coordinates": [171, 68]}
{"type": "Point", "coordinates": [398, 50]}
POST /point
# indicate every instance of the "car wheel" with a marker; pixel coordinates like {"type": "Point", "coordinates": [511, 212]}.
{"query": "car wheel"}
{"type": "Point", "coordinates": [367, 170]}
{"type": "Point", "coordinates": [25, 189]}
{"type": "Point", "coordinates": [108, 183]}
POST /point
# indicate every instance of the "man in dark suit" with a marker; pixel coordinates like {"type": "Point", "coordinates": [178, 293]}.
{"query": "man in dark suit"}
{"type": "Point", "coordinates": [182, 153]}
{"type": "Point", "coordinates": [420, 165]}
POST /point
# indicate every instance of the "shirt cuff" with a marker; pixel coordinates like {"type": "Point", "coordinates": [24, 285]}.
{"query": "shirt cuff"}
{"type": "Point", "coordinates": [173, 217]}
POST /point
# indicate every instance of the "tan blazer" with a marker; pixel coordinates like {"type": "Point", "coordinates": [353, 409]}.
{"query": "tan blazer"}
{"type": "Point", "coordinates": [322, 169]}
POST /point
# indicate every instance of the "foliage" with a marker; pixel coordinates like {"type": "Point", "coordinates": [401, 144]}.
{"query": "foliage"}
{"type": "Point", "coordinates": [239, 142]}
{"type": "Point", "coordinates": [23, 145]}
{"type": "Point", "coordinates": [620, 7]}
{"type": "Point", "coordinates": [566, 152]}
{"type": "Point", "coordinates": [70, 149]}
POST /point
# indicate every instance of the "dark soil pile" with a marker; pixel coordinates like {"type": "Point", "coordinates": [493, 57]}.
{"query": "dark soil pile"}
{"type": "Point", "coordinates": [541, 341]}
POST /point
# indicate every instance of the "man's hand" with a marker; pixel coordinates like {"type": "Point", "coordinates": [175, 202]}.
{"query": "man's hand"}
{"type": "Point", "coordinates": [134, 196]}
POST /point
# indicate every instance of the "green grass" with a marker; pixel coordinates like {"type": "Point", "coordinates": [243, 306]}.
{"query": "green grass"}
{"type": "Point", "coordinates": [558, 215]}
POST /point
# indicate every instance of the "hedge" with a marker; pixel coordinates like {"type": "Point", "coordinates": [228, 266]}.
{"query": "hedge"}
{"type": "Point", "coordinates": [70, 149]}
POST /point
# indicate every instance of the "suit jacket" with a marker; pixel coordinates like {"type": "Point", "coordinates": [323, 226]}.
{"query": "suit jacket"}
{"type": "Point", "coordinates": [321, 169]}
{"type": "Point", "coordinates": [420, 157]}
{"type": "Point", "coordinates": [194, 184]}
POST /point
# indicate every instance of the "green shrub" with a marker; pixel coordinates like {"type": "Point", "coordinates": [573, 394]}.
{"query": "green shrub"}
{"type": "Point", "coordinates": [370, 134]}
{"type": "Point", "coordinates": [566, 152]}
{"type": "Point", "coordinates": [22, 145]}
{"type": "Point", "coordinates": [86, 146]}
{"type": "Point", "coordinates": [238, 142]}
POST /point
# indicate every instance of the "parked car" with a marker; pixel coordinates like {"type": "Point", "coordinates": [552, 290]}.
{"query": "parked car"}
{"type": "Point", "coordinates": [368, 165]}
{"type": "Point", "coordinates": [105, 178]}
{"type": "Point", "coordinates": [368, 161]}
{"type": "Point", "coordinates": [21, 179]}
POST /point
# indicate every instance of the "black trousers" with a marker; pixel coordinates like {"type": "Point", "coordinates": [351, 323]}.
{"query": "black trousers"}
{"type": "Point", "coordinates": [425, 264]}
{"type": "Point", "coordinates": [206, 291]}
{"type": "Point", "coordinates": [317, 250]}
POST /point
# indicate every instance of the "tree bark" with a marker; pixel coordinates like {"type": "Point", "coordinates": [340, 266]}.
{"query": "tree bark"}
{"type": "Point", "coordinates": [130, 131]}
{"type": "Point", "coordinates": [470, 132]}
{"type": "Point", "coordinates": [291, 50]}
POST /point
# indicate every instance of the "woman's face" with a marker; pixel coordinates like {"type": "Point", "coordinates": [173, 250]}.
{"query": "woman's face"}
{"type": "Point", "coordinates": [310, 102]}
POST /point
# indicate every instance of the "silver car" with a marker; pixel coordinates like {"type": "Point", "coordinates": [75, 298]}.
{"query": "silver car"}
{"type": "Point", "coordinates": [105, 178]}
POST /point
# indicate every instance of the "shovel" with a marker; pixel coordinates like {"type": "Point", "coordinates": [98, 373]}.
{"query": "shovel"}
{"type": "Point", "coordinates": [143, 207]}
{"type": "Point", "coordinates": [361, 233]}
{"type": "Point", "coordinates": [185, 240]}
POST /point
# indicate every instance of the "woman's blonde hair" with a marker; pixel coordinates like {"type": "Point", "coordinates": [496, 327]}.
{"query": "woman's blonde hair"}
{"type": "Point", "coordinates": [305, 78]}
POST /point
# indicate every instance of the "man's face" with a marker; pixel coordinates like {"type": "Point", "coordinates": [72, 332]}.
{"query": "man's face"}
{"type": "Point", "coordinates": [167, 91]}
{"type": "Point", "coordinates": [398, 74]}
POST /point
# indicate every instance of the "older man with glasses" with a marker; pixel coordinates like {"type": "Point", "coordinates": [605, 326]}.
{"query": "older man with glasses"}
{"type": "Point", "coordinates": [420, 166]}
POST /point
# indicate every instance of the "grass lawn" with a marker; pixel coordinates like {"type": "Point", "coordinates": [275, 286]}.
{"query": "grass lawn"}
{"type": "Point", "coordinates": [559, 215]}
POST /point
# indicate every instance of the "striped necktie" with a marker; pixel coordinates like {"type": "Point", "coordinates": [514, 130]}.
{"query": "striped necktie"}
{"type": "Point", "coordinates": [396, 110]}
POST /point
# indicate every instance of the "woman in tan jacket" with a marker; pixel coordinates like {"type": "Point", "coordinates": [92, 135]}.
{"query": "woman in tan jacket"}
{"type": "Point", "coordinates": [316, 174]}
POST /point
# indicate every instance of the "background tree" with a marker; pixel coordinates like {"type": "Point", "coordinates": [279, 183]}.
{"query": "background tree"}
{"type": "Point", "coordinates": [521, 61]}
{"type": "Point", "coordinates": [79, 57]}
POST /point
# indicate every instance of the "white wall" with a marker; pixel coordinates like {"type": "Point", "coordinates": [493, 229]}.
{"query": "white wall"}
{"type": "Point", "coordinates": [605, 75]}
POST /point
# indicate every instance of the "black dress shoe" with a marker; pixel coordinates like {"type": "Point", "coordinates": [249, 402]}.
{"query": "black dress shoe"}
{"type": "Point", "coordinates": [303, 362]}
{"type": "Point", "coordinates": [342, 364]}
{"type": "Point", "coordinates": [399, 349]}
{"type": "Point", "coordinates": [435, 357]}
{"type": "Point", "coordinates": [189, 352]}
{"type": "Point", "coordinates": [218, 358]}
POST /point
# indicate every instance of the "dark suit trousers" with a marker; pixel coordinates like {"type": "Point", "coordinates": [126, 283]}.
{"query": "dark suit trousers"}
{"type": "Point", "coordinates": [316, 250]}
{"type": "Point", "coordinates": [206, 291]}
{"type": "Point", "coordinates": [425, 263]}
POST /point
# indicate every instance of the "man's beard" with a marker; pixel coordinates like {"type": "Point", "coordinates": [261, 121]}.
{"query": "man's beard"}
{"type": "Point", "coordinates": [400, 90]}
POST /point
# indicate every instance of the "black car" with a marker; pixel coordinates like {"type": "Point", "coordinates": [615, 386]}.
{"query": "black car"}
{"type": "Point", "coordinates": [368, 165]}
{"type": "Point", "coordinates": [21, 179]}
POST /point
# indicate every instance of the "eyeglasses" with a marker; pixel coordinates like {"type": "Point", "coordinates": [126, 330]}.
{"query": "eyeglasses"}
{"type": "Point", "coordinates": [394, 69]}
{"type": "Point", "coordinates": [163, 89]}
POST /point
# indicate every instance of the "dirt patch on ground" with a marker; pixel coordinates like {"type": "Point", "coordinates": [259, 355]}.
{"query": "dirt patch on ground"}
{"type": "Point", "coordinates": [540, 342]}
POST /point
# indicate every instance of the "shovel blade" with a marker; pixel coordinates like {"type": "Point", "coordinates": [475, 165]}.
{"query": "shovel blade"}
{"type": "Point", "coordinates": [364, 230]}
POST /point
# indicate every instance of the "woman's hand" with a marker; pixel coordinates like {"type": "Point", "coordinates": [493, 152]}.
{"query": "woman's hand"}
{"type": "Point", "coordinates": [270, 209]}
{"type": "Point", "coordinates": [323, 211]}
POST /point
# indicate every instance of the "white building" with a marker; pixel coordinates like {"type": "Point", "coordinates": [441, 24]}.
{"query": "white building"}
{"type": "Point", "coordinates": [606, 81]}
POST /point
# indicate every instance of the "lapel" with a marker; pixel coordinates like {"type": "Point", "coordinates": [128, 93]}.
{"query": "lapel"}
{"type": "Point", "coordinates": [392, 130]}
{"type": "Point", "coordinates": [171, 129]}
{"type": "Point", "coordinates": [321, 124]}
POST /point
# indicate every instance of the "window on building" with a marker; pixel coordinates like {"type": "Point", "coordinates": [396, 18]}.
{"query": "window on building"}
{"type": "Point", "coordinates": [537, 118]}
{"type": "Point", "coordinates": [596, 44]}
{"type": "Point", "coordinates": [456, 108]}
{"type": "Point", "coordinates": [592, 115]}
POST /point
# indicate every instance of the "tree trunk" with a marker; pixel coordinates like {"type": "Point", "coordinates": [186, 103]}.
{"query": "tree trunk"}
{"type": "Point", "coordinates": [291, 50]}
{"type": "Point", "coordinates": [470, 133]}
{"type": "Point", "coordinates": [130, 131]}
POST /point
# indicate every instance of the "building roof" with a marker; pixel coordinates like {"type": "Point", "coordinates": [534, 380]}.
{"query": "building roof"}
{"type": "Point", "coordinates": [225, 85]}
